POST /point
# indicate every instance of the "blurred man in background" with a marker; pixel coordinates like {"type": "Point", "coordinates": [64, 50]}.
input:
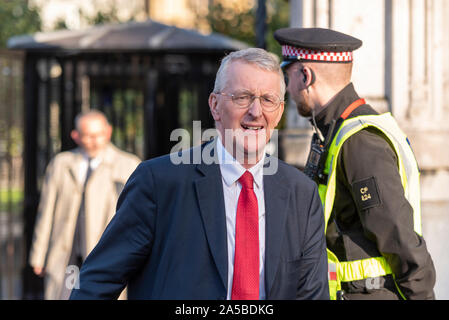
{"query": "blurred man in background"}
{"type": "Point", "coordinates": [78, 200]}
{"type": "Point", "coordinates": [223, 228]}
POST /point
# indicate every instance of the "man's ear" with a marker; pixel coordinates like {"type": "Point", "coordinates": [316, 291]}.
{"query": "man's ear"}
{"type": "Point", "coordinates": [75, 135]}
{"type": "Point", "coordinates": [108, 130]}
{"type": "Point", "coordinates": [309, 76]}
{"type": "Point", "coordinates": [214, 108]}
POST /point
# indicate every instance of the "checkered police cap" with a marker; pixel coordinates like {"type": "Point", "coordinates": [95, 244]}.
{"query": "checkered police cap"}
{"type": "Point", "coordinates": [316, 45]}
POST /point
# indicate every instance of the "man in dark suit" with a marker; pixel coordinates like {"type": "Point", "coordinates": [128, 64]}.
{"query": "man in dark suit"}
{"type": "Point", "coordinates": [237, 224]}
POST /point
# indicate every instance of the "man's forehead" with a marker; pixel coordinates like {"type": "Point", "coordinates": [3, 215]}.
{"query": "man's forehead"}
{"type": "Point", "coordinates": [92, 123]}
{"type": "Point", "coordinates": [235, 65]}
{"type": "Point", "coordinates": [238, 69]}
{"type": "Point", "coordinates": [250, 77]}
{"type": "Point", "coordinates": [93, 119]}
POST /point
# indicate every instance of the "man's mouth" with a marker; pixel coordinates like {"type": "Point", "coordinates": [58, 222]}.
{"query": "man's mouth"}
{"type": "Point", "coordinates": [252, 128]}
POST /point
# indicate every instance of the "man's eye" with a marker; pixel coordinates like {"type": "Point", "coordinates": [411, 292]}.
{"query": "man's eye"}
{"type": "Point", "coordinates": [242, 98]}
{"type": "Point", "coordinates": [269, 99]}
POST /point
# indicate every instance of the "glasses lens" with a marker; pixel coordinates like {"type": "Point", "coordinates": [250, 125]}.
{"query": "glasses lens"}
{"type": "Point", "coordinates": [269, 101]}
{"type": "Point", "coordinates": [242, 99]}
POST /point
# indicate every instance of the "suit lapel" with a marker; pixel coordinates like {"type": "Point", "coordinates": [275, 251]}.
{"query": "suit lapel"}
{"type": "Point", "coordinates": [276, 197]}
{"type": "Point", "coordinates": [74, 168]}
{"type": "Point", "coordinates": [209, 190]}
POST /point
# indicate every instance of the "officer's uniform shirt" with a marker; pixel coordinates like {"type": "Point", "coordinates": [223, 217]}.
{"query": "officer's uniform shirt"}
{"type": "Point", "coordinates": [385, 227]}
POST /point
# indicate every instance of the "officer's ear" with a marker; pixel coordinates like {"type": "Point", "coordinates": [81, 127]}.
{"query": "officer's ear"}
{"type": "Point", "coordinates": [308, 76]}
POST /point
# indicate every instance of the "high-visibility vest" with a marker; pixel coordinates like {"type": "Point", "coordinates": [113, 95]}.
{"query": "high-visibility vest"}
{"type": "Point", "coordinates": [374, 267]}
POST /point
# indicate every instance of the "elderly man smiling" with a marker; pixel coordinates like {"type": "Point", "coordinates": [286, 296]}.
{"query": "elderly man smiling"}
{"type": "Point", "coordinates": [221, 230]}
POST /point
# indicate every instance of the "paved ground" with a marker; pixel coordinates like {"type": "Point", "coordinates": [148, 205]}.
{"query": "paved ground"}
{"type": "Point", "coordinates": [10, 281]}
{"type": "Point", "coordinates": [435, 217]}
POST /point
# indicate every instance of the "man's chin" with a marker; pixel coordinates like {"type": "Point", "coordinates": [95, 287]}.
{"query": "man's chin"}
{"type": "Point", "coordinates": [249, 153]}
{"type": "Point", "coordinates": [303, 109]}
{"type": "Point", "coordinates": [305, 112]}
{"type": "Point", "coordinates": [92, 153]}
{"type": "Point", "coordinates": [245, 146]}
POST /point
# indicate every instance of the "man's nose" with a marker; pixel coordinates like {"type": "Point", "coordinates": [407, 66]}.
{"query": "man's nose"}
{"type": "Point", "coordinates": [255, 108]}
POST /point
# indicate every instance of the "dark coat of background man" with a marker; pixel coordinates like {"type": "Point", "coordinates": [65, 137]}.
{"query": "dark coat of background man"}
{"type": "Point", "coordinates": [367, 175]}
{"type": "Point", "coordinates": [178, 227]}
{"type": "Point", "coordinates": [78, 200]}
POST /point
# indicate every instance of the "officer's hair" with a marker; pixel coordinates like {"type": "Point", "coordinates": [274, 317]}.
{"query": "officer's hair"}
{"type": "Point", "coordinates": [91, 114]}
{"type": "Point", "coordinates": [259, 57]}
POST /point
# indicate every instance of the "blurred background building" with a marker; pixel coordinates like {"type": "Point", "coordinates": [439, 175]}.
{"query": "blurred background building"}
{"type": "Point", "coordinates": [401, 68]}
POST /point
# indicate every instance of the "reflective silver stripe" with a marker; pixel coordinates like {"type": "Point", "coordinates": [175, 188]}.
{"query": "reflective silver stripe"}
{"type": "Point", "coordinates": [332, 271]}
{"type": "Point", "coordinates": [346, 128]}
{"type": "Point", "coordinates": [388, 126]}
{"type": "Point", "coordinates": [407, 164]}
{"type": "Point", "coordinates": [360, 122]}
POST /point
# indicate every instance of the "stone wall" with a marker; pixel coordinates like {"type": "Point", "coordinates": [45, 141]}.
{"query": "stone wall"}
{"type": "Point", "coordinates": [402, 67]}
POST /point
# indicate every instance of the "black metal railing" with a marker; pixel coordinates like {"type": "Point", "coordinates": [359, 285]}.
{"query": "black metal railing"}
{"type": "Point", "coordinates": [145, 96]}
{"type": "Point", "coordinates": [11, 174]}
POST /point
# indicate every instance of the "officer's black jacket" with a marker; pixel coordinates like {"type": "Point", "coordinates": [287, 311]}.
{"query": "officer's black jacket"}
{"type": "Point", "coordinates": [385, 227]}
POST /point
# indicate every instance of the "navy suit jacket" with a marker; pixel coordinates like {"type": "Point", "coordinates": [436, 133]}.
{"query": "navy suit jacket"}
{"type": "Point", "coordinates": [168, 238]}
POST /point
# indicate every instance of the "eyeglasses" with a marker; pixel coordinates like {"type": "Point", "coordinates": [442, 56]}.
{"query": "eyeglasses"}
{"type": "Point", "coordinates": [269, 102]}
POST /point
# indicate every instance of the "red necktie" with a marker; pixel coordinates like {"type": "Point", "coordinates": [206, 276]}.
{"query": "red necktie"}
{"type": "Point", "coordinates": [245, 284]}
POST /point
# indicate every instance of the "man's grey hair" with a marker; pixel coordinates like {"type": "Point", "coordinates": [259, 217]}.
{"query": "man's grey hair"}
{"type": "Point", "coordinates": [259, 57]}
{"type": "Point", "coordinates": [93, 113]}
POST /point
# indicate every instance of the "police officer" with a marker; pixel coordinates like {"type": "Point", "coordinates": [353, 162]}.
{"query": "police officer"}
{"type": "Point", "coordinates": [367, 175]}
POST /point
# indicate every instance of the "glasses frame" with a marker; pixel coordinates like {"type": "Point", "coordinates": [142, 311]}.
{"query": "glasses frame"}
{"type": "Point", "coordinates": [253, 98]}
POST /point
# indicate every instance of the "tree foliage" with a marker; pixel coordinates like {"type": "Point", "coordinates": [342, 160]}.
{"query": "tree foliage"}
{"type": "Point", "coordinates": [241, 25]}
{"type": "Point", "coordinates": [226, 21]}
{"type": "Point", "coordinates": [102, 17]}
{"type": "Point", "coordinates": [106, 16]}
{"type": "Point", "coordinates": [278, 17]}
{"type": "Point", "coordinates": [17, 18]}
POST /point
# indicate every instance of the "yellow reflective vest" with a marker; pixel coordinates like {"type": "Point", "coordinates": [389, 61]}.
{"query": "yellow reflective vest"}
{"type": "Point", "coordinates": [346, 271]}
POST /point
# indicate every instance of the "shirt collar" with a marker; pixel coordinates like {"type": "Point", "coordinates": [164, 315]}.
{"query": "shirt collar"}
{"type": "Point", "coordinates": [232, 170]}
{"type": "Point", "coordinates": [94, 162]}
{"type": "Point", "coordinates": [336, 106]}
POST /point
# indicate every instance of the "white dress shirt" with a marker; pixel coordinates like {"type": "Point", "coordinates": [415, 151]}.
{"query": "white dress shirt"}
{"type": "Point", "coordinates": [231, 171]}
{"type": "Point", "coordinates": [82, 168]}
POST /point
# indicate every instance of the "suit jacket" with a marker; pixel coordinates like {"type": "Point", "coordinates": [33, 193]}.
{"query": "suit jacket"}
{"type": "Point", "coordinates": [59, 206]}
{"type": "Point", "coordinates": [168, 237]}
